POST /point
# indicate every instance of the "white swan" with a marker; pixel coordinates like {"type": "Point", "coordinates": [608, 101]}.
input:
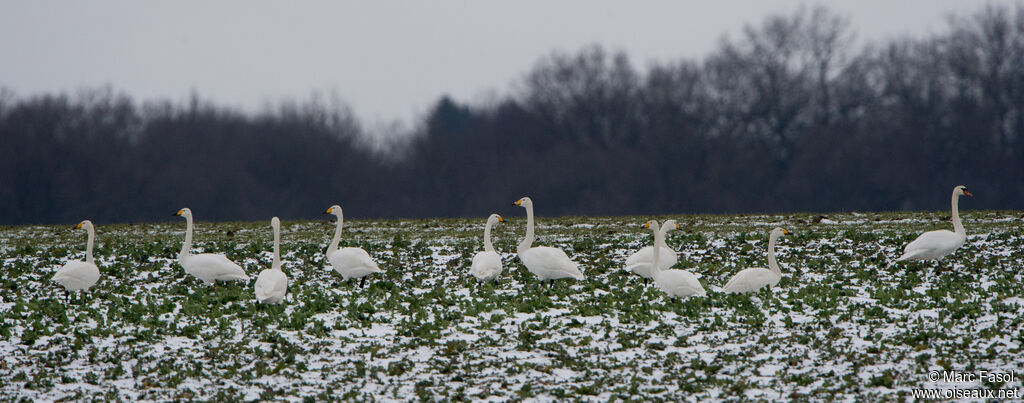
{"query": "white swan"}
{"type": "Point", "coordinates": [640, 262]}
{"type": "Point", "coordinates": [487, 264]}
{"type": "Point", "coordinates": [207, 267]}
{"type": "Point", "coordinates": [349, 262]}
{"type": "Point", "coordinates": [939, 244]}
{"type": "Point", "coordinates": [752, 279]}
{"type": "Point", "coordinates": [676, 283]}
{"type": "Point", "coordinates": [272, 284]}
{"type": "Point", "coordinates": [546, 263]}
{"type": "Point", "coordinates": [76, 274]}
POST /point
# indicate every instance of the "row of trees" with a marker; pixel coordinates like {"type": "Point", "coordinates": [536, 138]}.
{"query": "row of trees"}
{"type": "Point", "coordinates": [792, 116]}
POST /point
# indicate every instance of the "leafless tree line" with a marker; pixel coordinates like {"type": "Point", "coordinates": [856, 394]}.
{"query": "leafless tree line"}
{"type": "Point", "coordinates": [791, 116]}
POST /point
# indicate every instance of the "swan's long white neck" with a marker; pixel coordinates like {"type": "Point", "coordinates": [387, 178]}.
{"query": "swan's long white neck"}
{"type": "Point", "coordinates": [88, 247]}
{"type": "Point", "coordinates": [528, 241]}
{"type": "Point", "coordinates": [277, 249]}
{"type": "Point", "coordinates": [337, 234]}
{"type": "Point", "coordinates": [772, 263]}
{"type": "Point", "coordinates": [958, 227]}
{"type": "Point", "coordinates": [488, 247]}
{"type": "Point", "coordinates": [659, 241]}
{"type": "Point", "coordinates": [185, 247]}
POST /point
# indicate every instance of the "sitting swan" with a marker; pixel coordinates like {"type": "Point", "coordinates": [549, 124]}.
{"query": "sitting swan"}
{"type": "Point", "coordinates": [76, 274]}
{"type": "Point", "coordinates": [207, 267]}
{"type": "Point", "coordinates": [674, 282]}
{"type": "Point", "coordinates": [272, 284]}
{"type": "Point", "coordinates": [640, 262]}
{"type": "Point", "coordinates": [487, 264]}
{"type": "Point", "coordinates": [545, 262]}
{"type": "Point", "coordinates": [941, 243]}
{"type": "Point", "coordinates": [349, 262]}
{"type": "Point", "coordinates": [752, 279]}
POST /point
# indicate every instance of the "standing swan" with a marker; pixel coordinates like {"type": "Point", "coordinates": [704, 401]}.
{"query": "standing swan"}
{"type": "Point", "coordinates": [545, 262]}
{"type": "Point", "coordinates": [675, 283]}
{"type": "Point", "coordinates": [207, 267]}
{"type": "Point", "coordinates": [939, 244]}
{"type": "Point", "coordinates": [349, 262]}
{"type": "Point", "coordinates": [752, 279]}
{"type": "Point", "coordinates": [272, 284]}
{"type": "Point", "coordinates": [487, 264]}
{"type": "Point", "coordinates": [640, 262]}
{"type": "Point", "coordinates": [76, 274]}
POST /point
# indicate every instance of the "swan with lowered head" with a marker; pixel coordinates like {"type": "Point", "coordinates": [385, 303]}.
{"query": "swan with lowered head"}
{"type": "Point", "coordinates": [640, 262]}
{"type": "Point", "coordinates": [76, 274]}
{"type": "Point", "coordinates": [676, 283]}
{"type": "Point", "coordinates": [939, 244]}
{"type": "Point", "coordinates": [272, 284]}
{"type": "Point", "coordinates": [545, 262]}
{"type": "Point", "coordinates": [208, 267]}
{"type": "Point", "coordinates": [752, 279]}
{"type": "Point", "coordinates": [487, 264]}
{"type": "Point", "coordinates": [349, 262]}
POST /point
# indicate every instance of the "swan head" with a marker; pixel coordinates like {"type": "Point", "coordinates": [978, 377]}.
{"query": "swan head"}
{"type": "Point", "coordinates": [651, 224]}
{"type": "Point", "coordinates": [961, 191]}
{"type": "Point", "coordinates": [86, 225]}
{"type": "Point", "coordinates": [777, 232]}
{"type": "Point", "coordinates": [524, 202]}
{"type": "Point", "coordinates": [335, 210]}
{"type": "Point", "coordinates": [275, 223]}
{"type": "Point", "coordinates": [185, 212]}
{"type": "Point", "coordinates": [670, 225]}
{"type": "Point", "coordinates": [495, 218]}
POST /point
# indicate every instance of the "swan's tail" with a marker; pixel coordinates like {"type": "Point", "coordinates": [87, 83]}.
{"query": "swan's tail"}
{"type": "Point", "coordinates": [910, 255]}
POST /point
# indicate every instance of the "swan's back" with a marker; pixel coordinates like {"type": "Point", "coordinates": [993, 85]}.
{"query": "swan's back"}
{"type": "Point", "coordinates": [77, 275]}
{"type": "Point", "coordinates": [932, 245]}
{"type": "Point", "coordinates": [486, 266]}
{"type": "Point", "coordinates": [271, 286]}
{"type": "Point", "coordinates": [210, 267]}
{"type": "Point", "coordinates": [353, 263]}
{"type": "Point", "coordinates": [679, 283]}
{"type": "Point", "coordinates": [549, 263]}
{"type": "Point", "coordinates": [640, 262]}
{"type": "Point", "coordinates": [750, 280]}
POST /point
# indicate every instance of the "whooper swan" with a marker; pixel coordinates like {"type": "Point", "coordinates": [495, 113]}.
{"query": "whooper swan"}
{"type": "Point", "coordinates": [349, 262]}
{"type": "Point", "coordinates": [208, 267]}
{"type": "Point", "coordinates": [272, 284]}
{"type": "Point", "coordinates": [487, 264]}
{"type": "Point", "coordinates": [752, 279]}
{"type": "Point", "coordinates": [545, 262]}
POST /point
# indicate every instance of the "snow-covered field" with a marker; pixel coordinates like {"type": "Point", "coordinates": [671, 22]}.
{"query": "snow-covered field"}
{"type": "Point", "coordinates": [842, 324]}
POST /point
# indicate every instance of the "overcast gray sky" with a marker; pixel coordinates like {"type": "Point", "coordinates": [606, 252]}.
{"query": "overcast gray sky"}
{"type": "Point", "coordinates": [388, 59]}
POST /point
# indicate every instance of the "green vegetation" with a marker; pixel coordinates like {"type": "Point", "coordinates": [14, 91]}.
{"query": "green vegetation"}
{"type": "Point", "coordinates": [842, 323]}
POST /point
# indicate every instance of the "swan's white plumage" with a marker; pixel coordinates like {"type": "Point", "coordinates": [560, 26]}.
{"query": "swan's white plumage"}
{"type": "Point", "coordinates": [640, 262]}
{"type": "Point", "coordinates": [549, 263]}
{"type": "Point", "coordinates": [78, 275]}
{"type": "Point", "coordinates": [272, 284]}
{"type": "Point", "coordinates": [546, 263]}
{"type": "Point", "coordinates": [207, 267]}
{"type": "Point", "coordinates": [674, 282]}
{"type": "Point", "coordinates": [751, 279]}
{"type": "Point", "coordinates": [939, 244]}
{"type": "Point", "coordinates": [351, 263]}
{"type": "Point", "coordinates": [487, 264]}
{"type": "Point", "coordinates": [755, 278]}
